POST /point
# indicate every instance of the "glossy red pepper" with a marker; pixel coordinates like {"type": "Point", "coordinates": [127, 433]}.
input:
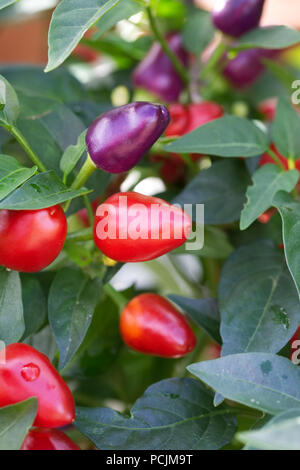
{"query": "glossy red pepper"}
{"type": "Point", "coordinates": [185, 119]}
{"type": "Point", "coordinates": [150, 324]}
{"type": "Point", "coordinates": [131, 227]}
{"type": "Point", "coordinates": [28, 373]}
{"type": "Point", "coordinates": [48, 439]}
{"type": "Point", "coordinates": [30, 240]}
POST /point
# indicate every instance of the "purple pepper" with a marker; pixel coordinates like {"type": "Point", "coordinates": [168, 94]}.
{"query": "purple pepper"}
{"type": "Point", "coordinates": [247, 67]}
{"type": "Point", "coordinates": [236, 17]}
{"type": "Point", "coordinates": [119, 138]}
{"type": "Point", "coordinates": [156, 72]}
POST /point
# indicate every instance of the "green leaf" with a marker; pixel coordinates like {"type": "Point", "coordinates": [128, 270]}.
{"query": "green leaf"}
{"type": "Point", "coordinates": [12, 175]}
{"type": "Point", "coordinates": [11, 308]}
{"type": "Point", "coordinates": [72, 154]}
{"type": "Point", "coordinates": [9, 103]}
{"type": "Point", "coordinates": [198, 31]}
{"type": "Point", "coordinates": [15, 422]}
{"type": "Point", "coordinates": [121, 11]}
{"type": "Point", "coordinates": [6, 3]}
{"type": "Point", "coordinates": [262, 381]}
{"type": "Point", "coordinates": [204, 312]}
{"type": "Point", "coordinates": [229, 136]}
{"type": "Point", "coordinates": [289, 210]}
{"type": "Point", "coordinates": [172, 414]}
{"type": "Point", "coordinates": [221, 188]}
{"type": "Point", "coordinates": [268, 37]}
{"type": "Point", "coordinates": [42, 190]}
{"type": "Point", "coordinates": [34, 305]}
{"type": "Point", "coordinates": [267, 181]}
{"type": "Point", "coordinates": [216, 244]}
{"type": "Point", "coordinates": [70, 20]}
{"type": "Point", "coordinates": [280, 433]}
{"type": "Point", "coordinates": [72, 300]}
{"type": "Point", "coordinates": [258, 301]}
{"type": "Point", "coordinates": [285, 130]}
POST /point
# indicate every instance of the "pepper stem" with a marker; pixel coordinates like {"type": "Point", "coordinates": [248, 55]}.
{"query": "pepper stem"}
{"type": "Point", "coordinates": [85, 172]}
{"type": "Point", "coordinates": [115, 296]}
{"type": "Point", "coordinates": [25, 145]}
{"type": "Point", "coordinates": [165, 47]}
{"type": "Point", "coordinates": [276, 159]}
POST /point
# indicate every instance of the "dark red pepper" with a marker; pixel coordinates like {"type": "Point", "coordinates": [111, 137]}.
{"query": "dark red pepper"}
{"type": "Point", "coordinates": [152, 325]}
{"type": "Point", "coordinates": [28, 373]}
{"type": "Point", "coordinates": [131, 227]}
{"type": "Point", "coordinates": [30, 240]}
{"type": "Point", "coordinates": [48, 439]}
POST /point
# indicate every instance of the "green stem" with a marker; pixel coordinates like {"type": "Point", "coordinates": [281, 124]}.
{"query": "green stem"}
{"type": "Point", "coordinates": [276, 159]}
{"type": "Point", "coordinates": [115, 296]}
{"type": "Point", "coordinates": [85, 172]}
{"type": "Point", "coordinates": [89, 210]}
{"type": "Point", "coordinates": [25, 145]}
{"type": "Point", "coordinates": [165, 47]}
{"type": "Point", "coordinates": [213, 60]}
{"type": "Point", "coordinates": [81, 235]}
{"type": "Point", "coordinates": [211, 274]}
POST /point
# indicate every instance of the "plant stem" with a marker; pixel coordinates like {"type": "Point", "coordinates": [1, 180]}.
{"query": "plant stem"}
{"type": "Point", "coordinates": [85, 172]}
{"type": "Point", "coordinates": [81, 235]}
{"type": "Point", "coordinates": [115, 296]}
{"type": "Point", "coordinates": [165, 47]}
{"type": "Point", "coordinates": [89, 210]}
{"type": "Point", "coordinates": [25, 145]}
{"type": "Point", "coordinates": [211, 273]}
{"type": "Point", "coordinates": [213, 60]}
{"type": "Point", "coordinates": [276, 159]}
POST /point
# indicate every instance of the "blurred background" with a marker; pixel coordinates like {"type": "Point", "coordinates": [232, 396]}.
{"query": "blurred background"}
{"type": "Point", "coordinates": [24, 26]}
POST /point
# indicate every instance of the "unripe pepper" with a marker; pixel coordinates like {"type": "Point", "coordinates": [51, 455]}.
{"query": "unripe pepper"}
{"type": "Point", "coordinates": [156, 72]}
{"type": "Point", "coordinates": [247, 67]}
{"type": "Point", "coordinates": [30, 240]}
{"type": "Point", "coordinates": [27, 373]}
{"type": "Point", "coordinates": [131, 227]}
{"type": "Point", "coordinates": [237, 17]}
{"type": "Point", "coordinates": [48, 439]}
{"type": "Point", "coordinates": [119, 138]}
{"type": "Point", "coordinates": [150, 324]}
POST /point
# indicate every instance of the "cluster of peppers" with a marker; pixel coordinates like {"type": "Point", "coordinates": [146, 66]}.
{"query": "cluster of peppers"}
{"type": "Point", "coordinates": [116, 142]}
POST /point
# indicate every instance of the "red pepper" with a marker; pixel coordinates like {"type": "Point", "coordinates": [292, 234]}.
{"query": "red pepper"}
{"type": "Point", "coordinates": [30, 240]}
{"type": "Point", "coordinates": [150, 324]}
{"type": "Point", "coordinates": [27, 373]}
{"type": "Point", "coordinates": [172, 168]}
{"type": "Point", "coordinates": [131, 227]}
{"type": "Point", "coordinates": [48, 439]}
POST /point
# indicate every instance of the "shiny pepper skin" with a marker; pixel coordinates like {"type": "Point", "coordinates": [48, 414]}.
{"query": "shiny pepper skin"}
{"type": "Point", "coordinates": [150, 324]}
{"type": "Point", "coordinates": [30, 240]}
{"type": "Point", "coordinates": [156, 73]}
{"type": "Point", "coordinates": [247, 67]}
{"type": "Point", "coordinates": [237, 17]}
{"type": "Point", "coordinates": [119, 138]}
{"type": "Point", "coordinates": [28, 373]}
{"type": "Point", "coordinates": [131, 227]}
{"type": "Point", "coordinates": [185, 119]}
{"type": "Point", "coordinates": [48, 439]}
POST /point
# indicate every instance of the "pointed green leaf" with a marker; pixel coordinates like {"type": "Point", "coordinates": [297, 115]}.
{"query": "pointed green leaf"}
{"type": "Point", "coordinates": [72, 300]}
{"type": "Point", "coordinates": [11, 307]}
{"type": "Point", "coordinates": [72, 154]}
{"type": "Point", "coordinates": [70, 20]}
{"type": "Point", "coordinates": [9, 103]}
{"type": "Point", "coordinates": [268, 37]}
{"type": "Point", "coordinates": [198, 31]}
{"type": "Point", "coordinates": [15, 422]}
{"type": "Point", "coordinates": [229, 136]}
{"type": "Point", "coordinates": [258, 301]}
{"type": "Point", "coordinates": [172, 414]}
{"type": "Point", "coordinates": [262, 381]}
{"type": "Point", "coordinates": [12, 175]}
{"type": "Point", "coordinates": [285, 130]}
{"type": "Point", "coordinates": [267, 181]}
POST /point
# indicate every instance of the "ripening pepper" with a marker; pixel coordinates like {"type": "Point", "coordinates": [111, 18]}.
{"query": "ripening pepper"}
{"type": "Point", "coordinates": [156, 72]}
{"type": "Point", "coordinates": [247, 67]}
{"type": "Point", "coordinates": [48, 439]}
{"type": "Point", "coordinates": [119, 138]}
{"type": "Point", "coordinates": [30, 240]}
{"type": "Point", "coordinates": [26, 373]}
{"type": "Point", "coordinates": [131, 227]}
{"type": "Point", "coordinates": [237, 17]}
{"type": "Point", "coordinates": [152, 325]}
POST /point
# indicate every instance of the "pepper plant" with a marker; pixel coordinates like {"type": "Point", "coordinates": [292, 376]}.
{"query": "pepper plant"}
{"type": "Point", "coordinates": [206, 103]}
